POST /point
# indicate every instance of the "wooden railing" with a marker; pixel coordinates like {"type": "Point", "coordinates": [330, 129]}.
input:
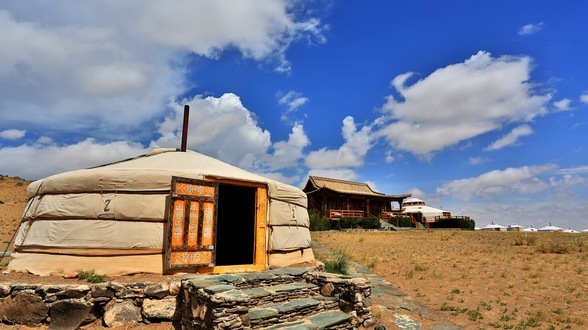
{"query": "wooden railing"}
{"type": "Point", "coordinates": [452, 217]}
{"type": "Point", "coordinates": [338, 214]}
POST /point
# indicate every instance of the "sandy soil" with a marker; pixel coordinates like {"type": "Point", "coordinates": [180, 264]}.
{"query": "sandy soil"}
{"type": "Point", "coordinates": [481, 280]}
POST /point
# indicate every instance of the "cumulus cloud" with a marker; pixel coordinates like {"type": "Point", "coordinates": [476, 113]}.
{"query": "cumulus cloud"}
{"type": "Point", "coordinates": [562, 105]}
{"type": "Point", "coordinates": [459, 102]}
{"type": "Point", "coordinates": [110, 68]}
{"type": "Point", "coordinates": [492, 184]}
{"type": "Point", "coordinates": [510, 138]}
{"type": "Point", "coordinates": [350, 154]}
{"type": "Point", "coordinates": [222, 127]}
{"type": "Point", "coordinates": [12, 134]}
{"type": "Point", "coordinates": [530, 29]}
{"type": "Point", "coordinates": [219, 127]}
{"type": "Point", "coordinates": [584, 97]}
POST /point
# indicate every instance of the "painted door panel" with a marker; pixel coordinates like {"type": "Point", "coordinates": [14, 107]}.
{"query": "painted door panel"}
{"type": "Point", "coordinates": [191, 224]}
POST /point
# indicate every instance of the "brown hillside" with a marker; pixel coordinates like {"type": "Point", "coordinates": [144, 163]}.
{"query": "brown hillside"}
{"type": "Point", "coordinates": [12, 204]}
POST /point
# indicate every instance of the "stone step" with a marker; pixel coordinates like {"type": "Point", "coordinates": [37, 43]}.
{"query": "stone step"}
{"type": "Point", "coordinates": [324, 320]}
{"type": "Point", "coordinates": [278, 293]}
{"type": "Point", "coordinates": [272, 314]}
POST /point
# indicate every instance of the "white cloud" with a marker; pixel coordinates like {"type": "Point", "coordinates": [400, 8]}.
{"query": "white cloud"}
{"type": "Point", "coordinates": [288, 153]}
{"type": "Point", "coordinates": [584, 97]}
{"type": "Point", "coordinates": [573, 170]}
{"type": "Point", "coordinates": [477, 160]}
{"type": "Point", "coordinates": [350, 154]}
{"type": "Point", "coordinates": [38, 161]}
{"type": "Point", "coordinates": [459, 102]}
{"type": "Point", "coordinates": [110, 68]}
{"type": "Point", "coordinates": [292, 100]}
{"type": "Point", "coordinates": [338, 173]}
{"type": "Point", "coordinates": [563, 104]}
{"type": "Point", "coordinates": [510, 138]}
{"type": "Point", "coordinates": [389, 157]}
{"type": "Point", "coordinates": [223, 128]}
{"type": "Point", "coordinates": [12, 134]}
{"type": "Point", "coordinates": [219, 127]}
{"type": "Point", "coordinates": [492, 184]}
{"type": "Point", "coordinates": [530, 29]}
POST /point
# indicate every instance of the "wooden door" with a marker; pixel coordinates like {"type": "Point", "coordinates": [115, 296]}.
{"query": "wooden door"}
{"type": "Point", "coordinates": [191, 224]}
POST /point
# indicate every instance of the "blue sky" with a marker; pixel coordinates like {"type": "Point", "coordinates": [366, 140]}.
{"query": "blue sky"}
{"type": "Point", "coordinates": [479, 107]}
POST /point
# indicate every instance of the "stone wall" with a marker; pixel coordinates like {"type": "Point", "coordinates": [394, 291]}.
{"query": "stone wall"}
{"type": "Point", "coordinates": [69, 306]}
{"type": "Point", "coordinates": [196, 302]}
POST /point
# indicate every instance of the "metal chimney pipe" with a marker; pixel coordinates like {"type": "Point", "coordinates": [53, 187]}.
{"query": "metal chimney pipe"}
{"type": "Point", "coordinates": [185, 127]}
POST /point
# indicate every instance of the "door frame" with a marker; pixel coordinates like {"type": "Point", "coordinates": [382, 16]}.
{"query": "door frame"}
{"type": "Point", "coordinates": [260, 258]}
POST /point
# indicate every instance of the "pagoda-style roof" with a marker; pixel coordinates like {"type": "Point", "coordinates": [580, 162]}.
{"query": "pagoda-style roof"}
{"type": "Point", "coordinates": [317, 183]}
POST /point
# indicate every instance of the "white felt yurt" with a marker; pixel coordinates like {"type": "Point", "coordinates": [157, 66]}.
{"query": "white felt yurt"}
{"type": "Point", "coordinates": [420, 210]}
{"type": "Point", "coordinates": [163, 212]}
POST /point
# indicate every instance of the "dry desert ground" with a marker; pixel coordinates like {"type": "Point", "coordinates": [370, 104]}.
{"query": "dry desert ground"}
{"type": "Point", "coordinates": [480, 280]}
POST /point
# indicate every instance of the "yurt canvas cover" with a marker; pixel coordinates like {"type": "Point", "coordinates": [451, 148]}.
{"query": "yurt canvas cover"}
{"type": "Point", "coordinates": [159, 213]}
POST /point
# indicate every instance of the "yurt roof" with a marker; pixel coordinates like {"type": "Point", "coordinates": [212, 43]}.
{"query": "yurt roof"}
{"type": "Point", "coordinates": [413, 199]}
{"type": "Point", "coordinates": [550, 228]}
{"type": "Point", "coordinates": [153, 172]}
{"type": "Point", "coordinates": [427, 211]}
{"type": "Point", "coordinates": [493, 226]}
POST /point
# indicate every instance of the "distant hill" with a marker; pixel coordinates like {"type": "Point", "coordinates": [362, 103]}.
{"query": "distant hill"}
{"type": "Point", "coordinates": [13, 201]}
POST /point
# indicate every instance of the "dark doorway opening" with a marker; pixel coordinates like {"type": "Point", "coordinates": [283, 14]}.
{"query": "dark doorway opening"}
{"type": "Point", "coordinates": [235, 225]}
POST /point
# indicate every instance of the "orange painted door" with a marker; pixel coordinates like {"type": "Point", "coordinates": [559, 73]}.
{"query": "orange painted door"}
{"type": "Point", "coordinates": [191, 224]}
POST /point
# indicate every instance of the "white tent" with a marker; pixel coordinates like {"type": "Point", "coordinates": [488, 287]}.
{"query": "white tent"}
{"type": "Point", "coordinates": [550, 228]}
{"type": "Point", "coordinates": [414, 205]}
{"type": "Point", "coordinates": [493, 227]}
{"type": "Point", "coordinates": [530, 229]}
{"type": "Point", "coordinates": [162, 212]}
{"type": "Point", "coordinates": [514, 227]}
{"type": "Point", "coordinates": [585, 231]}
{"type": "Point", "coordinates": [570, 230]}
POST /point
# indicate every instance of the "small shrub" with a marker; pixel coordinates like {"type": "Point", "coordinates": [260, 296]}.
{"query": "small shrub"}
{"type": "Point", "coordinates": [91, 276]}
{"type": "Point", "coordinates": [475, 315]}
{"type": "Point", "coordinates": [525, 239]}
{"type": "Point", "coordinates": [554, 247]}
{"type": "Point", "coordinates": [338, 264]}
{"type": "Point", "coordinates": [370, 223]}
{"type": "Point", "coordinates": [316, 222]}
{"type": "Point", "coordinates": [454, 223]}
{"type": "Point", "coordinates": [404, 222]}
{"type": "Point", "coordinates": [349, 223]}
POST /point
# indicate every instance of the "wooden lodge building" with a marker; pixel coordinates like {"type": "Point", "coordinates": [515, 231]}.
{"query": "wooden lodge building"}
{"type": "Point", "coordinates": [337, 199]}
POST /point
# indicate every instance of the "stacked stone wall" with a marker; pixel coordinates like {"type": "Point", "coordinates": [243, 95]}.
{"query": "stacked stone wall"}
{"type": "Point", "coordinates": [232, 301]}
